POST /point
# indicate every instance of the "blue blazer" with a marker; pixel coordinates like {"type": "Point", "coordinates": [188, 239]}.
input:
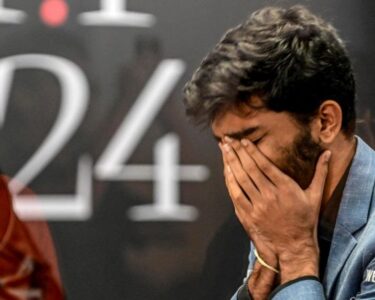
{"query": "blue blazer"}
{"type": "Point", "coordinates": [350, 270]}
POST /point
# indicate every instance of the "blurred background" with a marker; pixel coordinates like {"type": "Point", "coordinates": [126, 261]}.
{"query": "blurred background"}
{"type": "Point", "coordinates": [93, 123]}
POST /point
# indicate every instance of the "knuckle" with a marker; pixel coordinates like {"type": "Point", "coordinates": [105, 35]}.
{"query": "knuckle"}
{"type": "Point", "coordinates": [237, 197]}
{"type": "Point", "coordinates": [256, 217]}
{"type": "Point", "coordinates": [251, 150]}
{"type": "Point", "coordinates": [236, 145]}
{"type": "Point", "coordinates": [265, 167]}
{"type": "Point", "coordinates": [261, 207]}
{"type": "Point", "coordinates": [270, 195]}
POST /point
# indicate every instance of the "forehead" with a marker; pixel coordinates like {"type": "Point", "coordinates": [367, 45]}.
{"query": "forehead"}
{"type": "Point", "coordinates": [232, 118]}
{"type": "Point", "coordinates": [233, 121]}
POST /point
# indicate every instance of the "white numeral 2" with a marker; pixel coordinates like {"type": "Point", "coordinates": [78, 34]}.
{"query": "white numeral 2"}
{"type": "Point", "coordinates": [75, 94]}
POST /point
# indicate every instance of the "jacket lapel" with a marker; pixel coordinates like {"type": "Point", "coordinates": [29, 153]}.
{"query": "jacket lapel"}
{"type": "Point", "coordinates": [353, 212]}
{"type": "Point", "coordinates": [342, 245]}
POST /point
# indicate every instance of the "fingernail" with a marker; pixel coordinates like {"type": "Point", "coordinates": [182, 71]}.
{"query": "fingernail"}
{"type": "Point", "coordinates": [245, 142]}
{"type": "Point", "coordinates": [328, 156]}
{"type": "Point", "coordinates": [228, 139]}
{"type": "Point", "coordinates": [226, 147]}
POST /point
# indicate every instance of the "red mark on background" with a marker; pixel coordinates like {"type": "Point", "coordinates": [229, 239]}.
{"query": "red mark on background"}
{"type": "Point", "coordinates": [54, 12]}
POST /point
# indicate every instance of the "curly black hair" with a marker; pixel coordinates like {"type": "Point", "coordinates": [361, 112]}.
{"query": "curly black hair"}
{"type": "Point", "coordinates": [291, 58]}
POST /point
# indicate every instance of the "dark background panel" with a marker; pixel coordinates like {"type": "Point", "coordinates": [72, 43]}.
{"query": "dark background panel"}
{"type": "Point", "coordinates": [110, 256]}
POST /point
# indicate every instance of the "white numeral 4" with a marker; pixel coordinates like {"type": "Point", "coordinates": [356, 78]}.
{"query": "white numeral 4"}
{"type": "Point", "coordinates": [166, 173]}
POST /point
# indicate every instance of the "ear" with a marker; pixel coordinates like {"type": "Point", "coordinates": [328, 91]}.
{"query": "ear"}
{"type": "Point", "coordinates": [329, 121]}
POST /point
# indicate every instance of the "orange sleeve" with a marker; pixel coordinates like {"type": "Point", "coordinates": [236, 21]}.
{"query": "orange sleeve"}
{"type": "Point", "coordinates": [28, 261]}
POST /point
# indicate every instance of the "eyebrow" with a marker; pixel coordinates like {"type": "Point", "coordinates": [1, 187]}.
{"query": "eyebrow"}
{"type": "Point", "coordinates": [239, 134]}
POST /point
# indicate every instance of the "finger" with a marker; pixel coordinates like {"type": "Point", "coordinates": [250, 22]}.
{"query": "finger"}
{"type": "Point", "coordinates": [225, 170]}
{"type": "Point", "coordinates": [232, 160]}
{"type": "Point", "coordinates": [274, 174]}
{"type": "Point", "coordinates": [251, 168]}
{"type": "Point", "coordinates": [223, 152]}
{"type": "Point", "coordinates": [234, 189]}
{"type": "Point", "coordinates": [320, 176]}
{"type": "Point", "coordinates": [239, 199]}
{"type": "Point", "coordinates": [230, 187]}
{"type": "Point", "coordinates": [238, 210]}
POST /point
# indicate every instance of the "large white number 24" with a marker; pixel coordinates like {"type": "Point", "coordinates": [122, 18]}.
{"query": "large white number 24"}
{"type": "Point", "coordinates": [166, 172]}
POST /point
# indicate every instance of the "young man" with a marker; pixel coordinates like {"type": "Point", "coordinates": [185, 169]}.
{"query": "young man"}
{"type": "Point", "coordinates": [278, 92]}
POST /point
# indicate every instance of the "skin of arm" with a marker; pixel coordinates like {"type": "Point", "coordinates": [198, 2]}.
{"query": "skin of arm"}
{"type": "Point", "coordinates": [262, 281]}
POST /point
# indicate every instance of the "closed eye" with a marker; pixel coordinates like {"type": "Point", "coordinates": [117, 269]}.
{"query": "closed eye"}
{"type": "Point", "coordinates": [255, 142]}
{"type": "Point", "coordinates": [258, 140]}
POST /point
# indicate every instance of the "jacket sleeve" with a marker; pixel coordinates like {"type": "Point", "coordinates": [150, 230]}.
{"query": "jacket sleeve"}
{"type": "Point", "coordinates": [307, 288]}
{"type": "Point", "coordinates": [312, 289]}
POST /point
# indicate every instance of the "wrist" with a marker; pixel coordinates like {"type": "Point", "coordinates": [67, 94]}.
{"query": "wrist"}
{"type": "Point", "coordinates": [297, 264]}
{"type": "Point", "coordinates": [269, 258]}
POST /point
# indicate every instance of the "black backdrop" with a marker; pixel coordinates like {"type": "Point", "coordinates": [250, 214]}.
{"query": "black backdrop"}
{"type": "Point", "coordinates": [93, 82]}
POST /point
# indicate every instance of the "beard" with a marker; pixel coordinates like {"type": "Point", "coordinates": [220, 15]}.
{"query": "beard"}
{"type": "Point", "coordinates": [299, 159]}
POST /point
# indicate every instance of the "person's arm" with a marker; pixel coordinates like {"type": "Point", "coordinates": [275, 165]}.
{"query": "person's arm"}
{"type": "Point", "coordinates": [259, 281]}
{"type": "Point", "coordinates": [31, 240]}
{"type": "Point", "coordinates": [259, 284]}
{"type": "Point", "coordinates": [309, 288]}
{"type": "Point", "coordinates": [262, 284]}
